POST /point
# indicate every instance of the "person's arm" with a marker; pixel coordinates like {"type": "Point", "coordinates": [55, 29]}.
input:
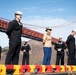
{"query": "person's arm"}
{"type": "Point", "coordinates": [22, 48]}
{"type": "Point", "coordinates": [68, 40]}
{"type": "Point", "coordinates": [0, 49]}
{"type": "Point", "coordinates": [21, 26]}
{"type": "Point", "coordinates": [29, 47]}
{"type": "Point", "coordinates": [44, 39]}
{"type": "Point", "coordinates": [55, 46]}
{"type": "Point", "coordinates": [64, 46]}
{"type": "Point", "coordinates": [10, 28]}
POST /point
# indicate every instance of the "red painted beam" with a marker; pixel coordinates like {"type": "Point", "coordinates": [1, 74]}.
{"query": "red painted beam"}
{"type": "Point", "coordinates": [28, 33]}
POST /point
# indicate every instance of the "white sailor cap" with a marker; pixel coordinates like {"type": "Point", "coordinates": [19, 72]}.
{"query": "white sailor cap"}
{"type": "Point", "coordinates": [18, 13]}
{"type": "Point", "coordinates": [60, 37]}
{"type": "Point", "coordinates": [48, 29]}
{"type": "Point", "coordinates": [74, 30]}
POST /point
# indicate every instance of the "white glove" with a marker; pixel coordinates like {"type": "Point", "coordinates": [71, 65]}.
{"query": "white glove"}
{"type": "Point", "coordinates": [24, 50]}
{"type": "Point", "coordinates": [59, 49]}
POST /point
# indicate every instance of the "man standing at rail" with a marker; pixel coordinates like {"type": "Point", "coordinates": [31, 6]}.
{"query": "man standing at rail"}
{"type": "Point", "coordinates": [71, 47]}
{"type": "Point", "coordinates": [14, 32]}
{"type": "Point", "coordinates": [60, 47]}
{"type": "Point", "coordinates": [26, 50]}
{"type": "Point", "coordinates": [0, 52]}
{"type": "Point", "coordinates": [47, 42]}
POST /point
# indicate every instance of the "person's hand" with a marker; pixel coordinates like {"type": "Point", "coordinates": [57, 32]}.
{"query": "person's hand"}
{"type": "Point", "coordinates": [43, 43]}
{"type": "Point", "coordinates": [21, 51]}
{"type": "Point", "coordinates": [24, 50]}
{"type": "Point", "coordinates": [59, 49]}
{"type": "Point", "coordinates": [30, 52]}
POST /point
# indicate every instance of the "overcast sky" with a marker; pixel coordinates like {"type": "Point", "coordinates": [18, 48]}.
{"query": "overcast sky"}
{"type": "Point", "coordinates": [41, 13]}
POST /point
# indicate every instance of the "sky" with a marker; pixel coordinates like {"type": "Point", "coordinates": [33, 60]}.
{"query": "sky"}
{"type": "Point", "coordinates": [48, 13]}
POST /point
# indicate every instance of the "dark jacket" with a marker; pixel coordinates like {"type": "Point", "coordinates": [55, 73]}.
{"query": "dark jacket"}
{"type": "Point", "coordinates": [70, 43]}
{"type": "Point", "coordinates": [14, 31]}
{"type": "Point", "coordinates": [0, 49]}
{"type": "Point", "coordinates": [26, 47]}
{"type": "Point", "coordinates": [60, 45]}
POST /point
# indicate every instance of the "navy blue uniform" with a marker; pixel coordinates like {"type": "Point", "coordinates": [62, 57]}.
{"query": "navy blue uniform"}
{"type": "Point", "coordinates": [60, 54]}
{"type": "Point", "coordinates": [25, 59]}
{"type": "Point", "coordinates": [14, 32]}
{"type": "Point", "coordinates": [0, 52]}
{"type": "Point", "coordinates": [71, 49]}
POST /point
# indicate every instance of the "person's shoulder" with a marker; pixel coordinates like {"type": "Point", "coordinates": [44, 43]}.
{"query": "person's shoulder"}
{"type": "Point", "coordinates": [70, 36]}
{"type": "Point", "coordinates": [56, 42]}
{"type": "Point", "coordinates": [12, 21]}
{"type": "Point", "coordinates": [63, 42]}
{"type": "Point", "coordinates": [28, 45]}
{"type": "Point", "coordinates": [0, 47]}
{"type": "Point", "coordinates": [45, 34]}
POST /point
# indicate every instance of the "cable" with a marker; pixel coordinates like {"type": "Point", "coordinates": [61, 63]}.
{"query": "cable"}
{"type": "Point", "coordinates": [40, 27]}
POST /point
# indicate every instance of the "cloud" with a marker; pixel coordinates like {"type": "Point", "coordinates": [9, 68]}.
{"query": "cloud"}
{"type": "Point", "coordinates": [52, 10]}
{"type": "Point", "coordinates": [64, 31]}
{"type": "Point", "coordinates": [36, 10]}
{"type": "Point", "coordinates": [73, 17]}
{"type": "Point", "coordinates": [46, 21]}
{"type": "Point", "coordinates": [39, 23]}
{"type": "Point", "coordinates": [29, 9]}
{"type": "Point", "coordinates": [57, 10]}
{"type": "Point", "coordinates": [54, 1]}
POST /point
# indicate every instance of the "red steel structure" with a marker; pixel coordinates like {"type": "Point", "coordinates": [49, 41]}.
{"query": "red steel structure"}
{"type": "Point", "coordinates": [28, 33]}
